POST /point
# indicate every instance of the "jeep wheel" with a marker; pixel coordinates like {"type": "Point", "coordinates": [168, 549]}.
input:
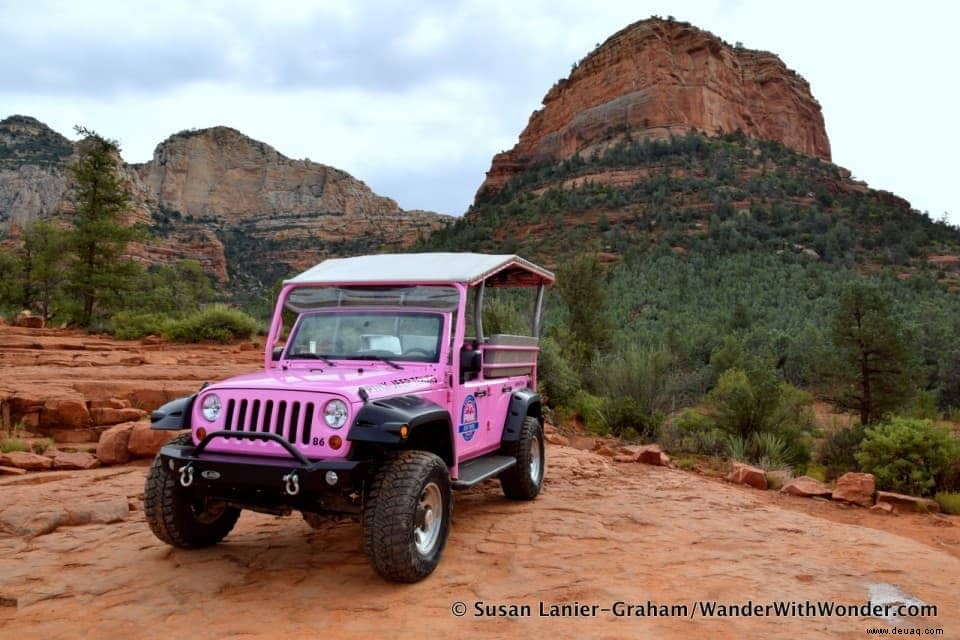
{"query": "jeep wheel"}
{"type": "Point", "coordinates": [523, 481]}
{"type": "Point", "coordinates": [179, 519]}
{"type": "Point", "coordinates": [406, 516]}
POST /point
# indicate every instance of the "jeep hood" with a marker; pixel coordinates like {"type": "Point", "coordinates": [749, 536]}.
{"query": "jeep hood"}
{"type": "Point", "coordinates": [345, 381]}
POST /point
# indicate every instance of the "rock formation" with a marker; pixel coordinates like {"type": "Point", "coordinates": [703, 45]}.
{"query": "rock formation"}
{"type": "Point", "coordinates": [214, 195]}
{"type": "Point", "coordinates": [660, 77]}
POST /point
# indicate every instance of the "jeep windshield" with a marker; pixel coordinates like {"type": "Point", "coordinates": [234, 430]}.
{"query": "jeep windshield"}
{"type": "Point", "coordinates": [367, 335]}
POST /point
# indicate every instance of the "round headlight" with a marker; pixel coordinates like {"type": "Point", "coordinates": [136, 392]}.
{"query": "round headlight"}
{"type": "Point", "coordinates": [335, 414]}
{"type": "Point", "coordinates": [210, 407]}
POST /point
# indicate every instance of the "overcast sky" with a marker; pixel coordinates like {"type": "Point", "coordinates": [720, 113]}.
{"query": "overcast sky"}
{"type": "Point", "coordinates": [414, 98]}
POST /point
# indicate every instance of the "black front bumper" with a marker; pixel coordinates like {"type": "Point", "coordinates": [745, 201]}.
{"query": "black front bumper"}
{"type": "Point", "coordinates": [266, 482]}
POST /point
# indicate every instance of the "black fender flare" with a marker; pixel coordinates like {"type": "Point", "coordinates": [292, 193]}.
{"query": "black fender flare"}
{"type": "Point", "coordinates": [379, 422]}
{"type": "Point", "coordinates": [174, 415]}
{"type": "Point", "coordinates": [523, 403]}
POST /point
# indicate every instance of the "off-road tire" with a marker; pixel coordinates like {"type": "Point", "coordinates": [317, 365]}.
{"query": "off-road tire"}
{"type": "Point", "coordinates": [390, 515]}
{"type": "Point", "coordinates": [523, 480]}
{"type": "Point", "coordinates": [171, 512]}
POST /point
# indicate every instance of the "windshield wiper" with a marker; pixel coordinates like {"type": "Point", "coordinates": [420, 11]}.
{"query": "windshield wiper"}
{"type": "Point", "coordinates": [375, 357]}
{"type": "Point", "coordinates": [306, 355]}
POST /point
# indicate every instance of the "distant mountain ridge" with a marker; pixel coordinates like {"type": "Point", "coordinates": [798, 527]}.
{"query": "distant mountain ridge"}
{"type": "Point", "coordinates": [233, 203]}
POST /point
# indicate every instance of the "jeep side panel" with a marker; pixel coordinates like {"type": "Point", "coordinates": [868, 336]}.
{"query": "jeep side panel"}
{"type": "Point", "coordinates": [380, 422]}
{"type": "Point", "coordinates": [523, 403]}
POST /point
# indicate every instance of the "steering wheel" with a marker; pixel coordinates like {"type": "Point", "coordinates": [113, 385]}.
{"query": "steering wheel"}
{"type": "Point", "coordinates": [426, 354]}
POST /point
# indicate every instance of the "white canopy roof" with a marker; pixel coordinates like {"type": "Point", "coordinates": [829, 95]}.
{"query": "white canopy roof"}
{"type": "Point", "coordinates": [425, 268]}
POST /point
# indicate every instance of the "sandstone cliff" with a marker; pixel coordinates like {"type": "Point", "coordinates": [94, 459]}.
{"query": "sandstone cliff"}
{"type": "Point", "coordinates": [234, 204]}
{"type": "Point", "coordinates": [658, 77]}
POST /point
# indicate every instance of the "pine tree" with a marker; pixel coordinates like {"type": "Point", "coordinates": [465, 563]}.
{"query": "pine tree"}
{"type": "Point", "coordinates": [582, 285]}
{"type": "Point", "coordinates": [42, 261]}
{"type": "Point", "coordinates": [98, 269]}
{"type": "Point", "coordinates": [876, 373]}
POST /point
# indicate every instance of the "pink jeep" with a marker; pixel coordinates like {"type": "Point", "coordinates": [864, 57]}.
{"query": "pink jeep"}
{"type": "Point", "coordinates": [377, 405]}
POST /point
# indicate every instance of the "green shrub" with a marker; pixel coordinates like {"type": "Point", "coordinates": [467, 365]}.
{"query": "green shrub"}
{"type": "Point", "coordinates": [769, 451]}
{"type": "Point", "coordinates": [907, 455]}
{"type": "Point", "coordinates": [589, 408]}
{"type": "Point", "coordinates": [557, 380]}
{"type": "Point", "coordinates": [127, 326]}
{"type": "Point", "coordinates": [12, 444]}
{"type": "Point", "coordinates": [949, 502]}
{"type": "Point", "coordinates": [619, 414]}
{"type": "Point", "coordinates": [39, 446]}
{"type": "Point", "coordinates": [216, 323]}
{"type": "Point", "coordinates": [838, 450]}
{"type": "Point", "coordinates": [759, 412]}
{"type": "Point", "coordinates": [694, 432]}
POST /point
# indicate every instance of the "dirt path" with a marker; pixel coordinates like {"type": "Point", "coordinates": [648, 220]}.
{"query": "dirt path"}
{"type": "Point", "coordinates": [599, 533]}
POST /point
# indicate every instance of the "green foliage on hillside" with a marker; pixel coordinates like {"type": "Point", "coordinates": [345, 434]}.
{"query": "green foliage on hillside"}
{"type": "Point", "coordinates": [698, 194]}
{"type": "Point", "coordinates": [738, 263]}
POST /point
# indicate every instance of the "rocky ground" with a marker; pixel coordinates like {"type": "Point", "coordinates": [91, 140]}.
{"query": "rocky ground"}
{"type": "Point", "coordinates": [78, 560]}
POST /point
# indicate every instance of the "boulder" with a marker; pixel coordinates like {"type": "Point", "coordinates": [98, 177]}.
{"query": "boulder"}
{"type": "Point", "coordinates": [12, 471]}
{"type": "Point", "coordinates": [74, 436]}
{"type": "Point", "coordinates": [25, 460]}
{"type": "Point", "coordinates": [28, 320]}
{"type": "Point", "coordinates": [109, 403]}
{"type": "Point", "coordinates": [883, 507]}
{"type": "Point", "coordinates": [78, 460]}
{"type": "Point", "coordinates": [856, 488]}
{"type": "Point", "coordinates": [652, 454]}
{"type": "Point", "coordinates": [146, 442]}
{"type": "Point", "coordinates": [69, 413]}
{"type": "Point", "coordinates": [557, 439]}
{"type": "Point", "coordinates": [745, 474]}
{"type": "Point", "coordinates": [904, 502]}
{"type": "Point", "coordinates": [109, 415]}
{"type": "Point", "coordinates": [606, 450]}
{"type": "Point", "coordinates": [806, 487]}
{"type": "Point", "coordinates": [112, 447]}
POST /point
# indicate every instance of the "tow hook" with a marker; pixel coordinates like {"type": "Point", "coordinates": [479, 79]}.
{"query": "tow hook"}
{"type": "Point", "coordinates": [186, 476]}
{"type": "Point", "coordinates": [291, 484]}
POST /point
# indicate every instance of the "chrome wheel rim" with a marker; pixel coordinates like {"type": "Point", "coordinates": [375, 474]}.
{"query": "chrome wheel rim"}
{"type": "Point", "coordinates": [426, 530]}
{"type": "Point", "coordinates": [536, 460]}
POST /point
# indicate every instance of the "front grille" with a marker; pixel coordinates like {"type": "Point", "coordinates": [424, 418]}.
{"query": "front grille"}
{"type": "Point", "coordinates": [291, 420]}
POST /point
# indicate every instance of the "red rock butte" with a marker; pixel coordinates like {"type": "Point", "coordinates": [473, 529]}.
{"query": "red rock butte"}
{"type": "Point", "coordinates": [660, 77]}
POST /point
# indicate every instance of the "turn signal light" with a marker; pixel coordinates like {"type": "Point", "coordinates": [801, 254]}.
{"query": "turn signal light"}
{"type": "Point", "coordinates": [201, 433]}
{"type": "Point", "coordinates": [403, 431]}
{"type": "Point", "coordinates": [335, 442]}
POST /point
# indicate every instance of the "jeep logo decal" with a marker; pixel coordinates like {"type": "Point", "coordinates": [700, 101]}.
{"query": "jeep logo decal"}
{"type": "Point", "coordinates": [210, 474]}
{"type": "Point", "coordinates": [469, 422]}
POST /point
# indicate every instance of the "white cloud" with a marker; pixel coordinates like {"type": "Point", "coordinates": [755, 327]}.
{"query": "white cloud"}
{"type": "Point", "coordinates": [415, 98]}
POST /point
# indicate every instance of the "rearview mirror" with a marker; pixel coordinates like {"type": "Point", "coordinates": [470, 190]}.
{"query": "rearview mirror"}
{"type": "Point", "coordinates": [277, 352]}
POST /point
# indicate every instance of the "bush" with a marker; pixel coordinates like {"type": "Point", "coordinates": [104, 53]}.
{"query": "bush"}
{"type": "Point", "coordinates": [12, 444]}
{"type": "Point", "coordinates": [39, 446]}
{"type": "Point", "coordinates": [949, 502]}
{"type": "Point", "coordinates": [694, 432]}
{"type": "Point", "coordinates": [910, 456]}
{"type": "Point", "coordinates": [589, 409]}
{"type": "Point", "coordinates": [838, 450]}
{"type": "Point", "coordinates": [556, 378]}
{"type": "Point", "coordinates": [758, 412]}
{"type": "Point", "coordinates": [216, 323]}
{"type": "Point", "coordinates": [127, 326]}
{"type": "Point", "coordinates": [769, 451]}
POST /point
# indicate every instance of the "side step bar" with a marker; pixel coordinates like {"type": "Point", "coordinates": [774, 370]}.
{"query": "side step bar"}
{"type": "Point", "coordinates": [479, 469]}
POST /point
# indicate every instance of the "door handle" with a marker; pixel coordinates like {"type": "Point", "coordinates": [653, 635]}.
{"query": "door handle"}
{"type": "Point", "coordinates": [481, 394]}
